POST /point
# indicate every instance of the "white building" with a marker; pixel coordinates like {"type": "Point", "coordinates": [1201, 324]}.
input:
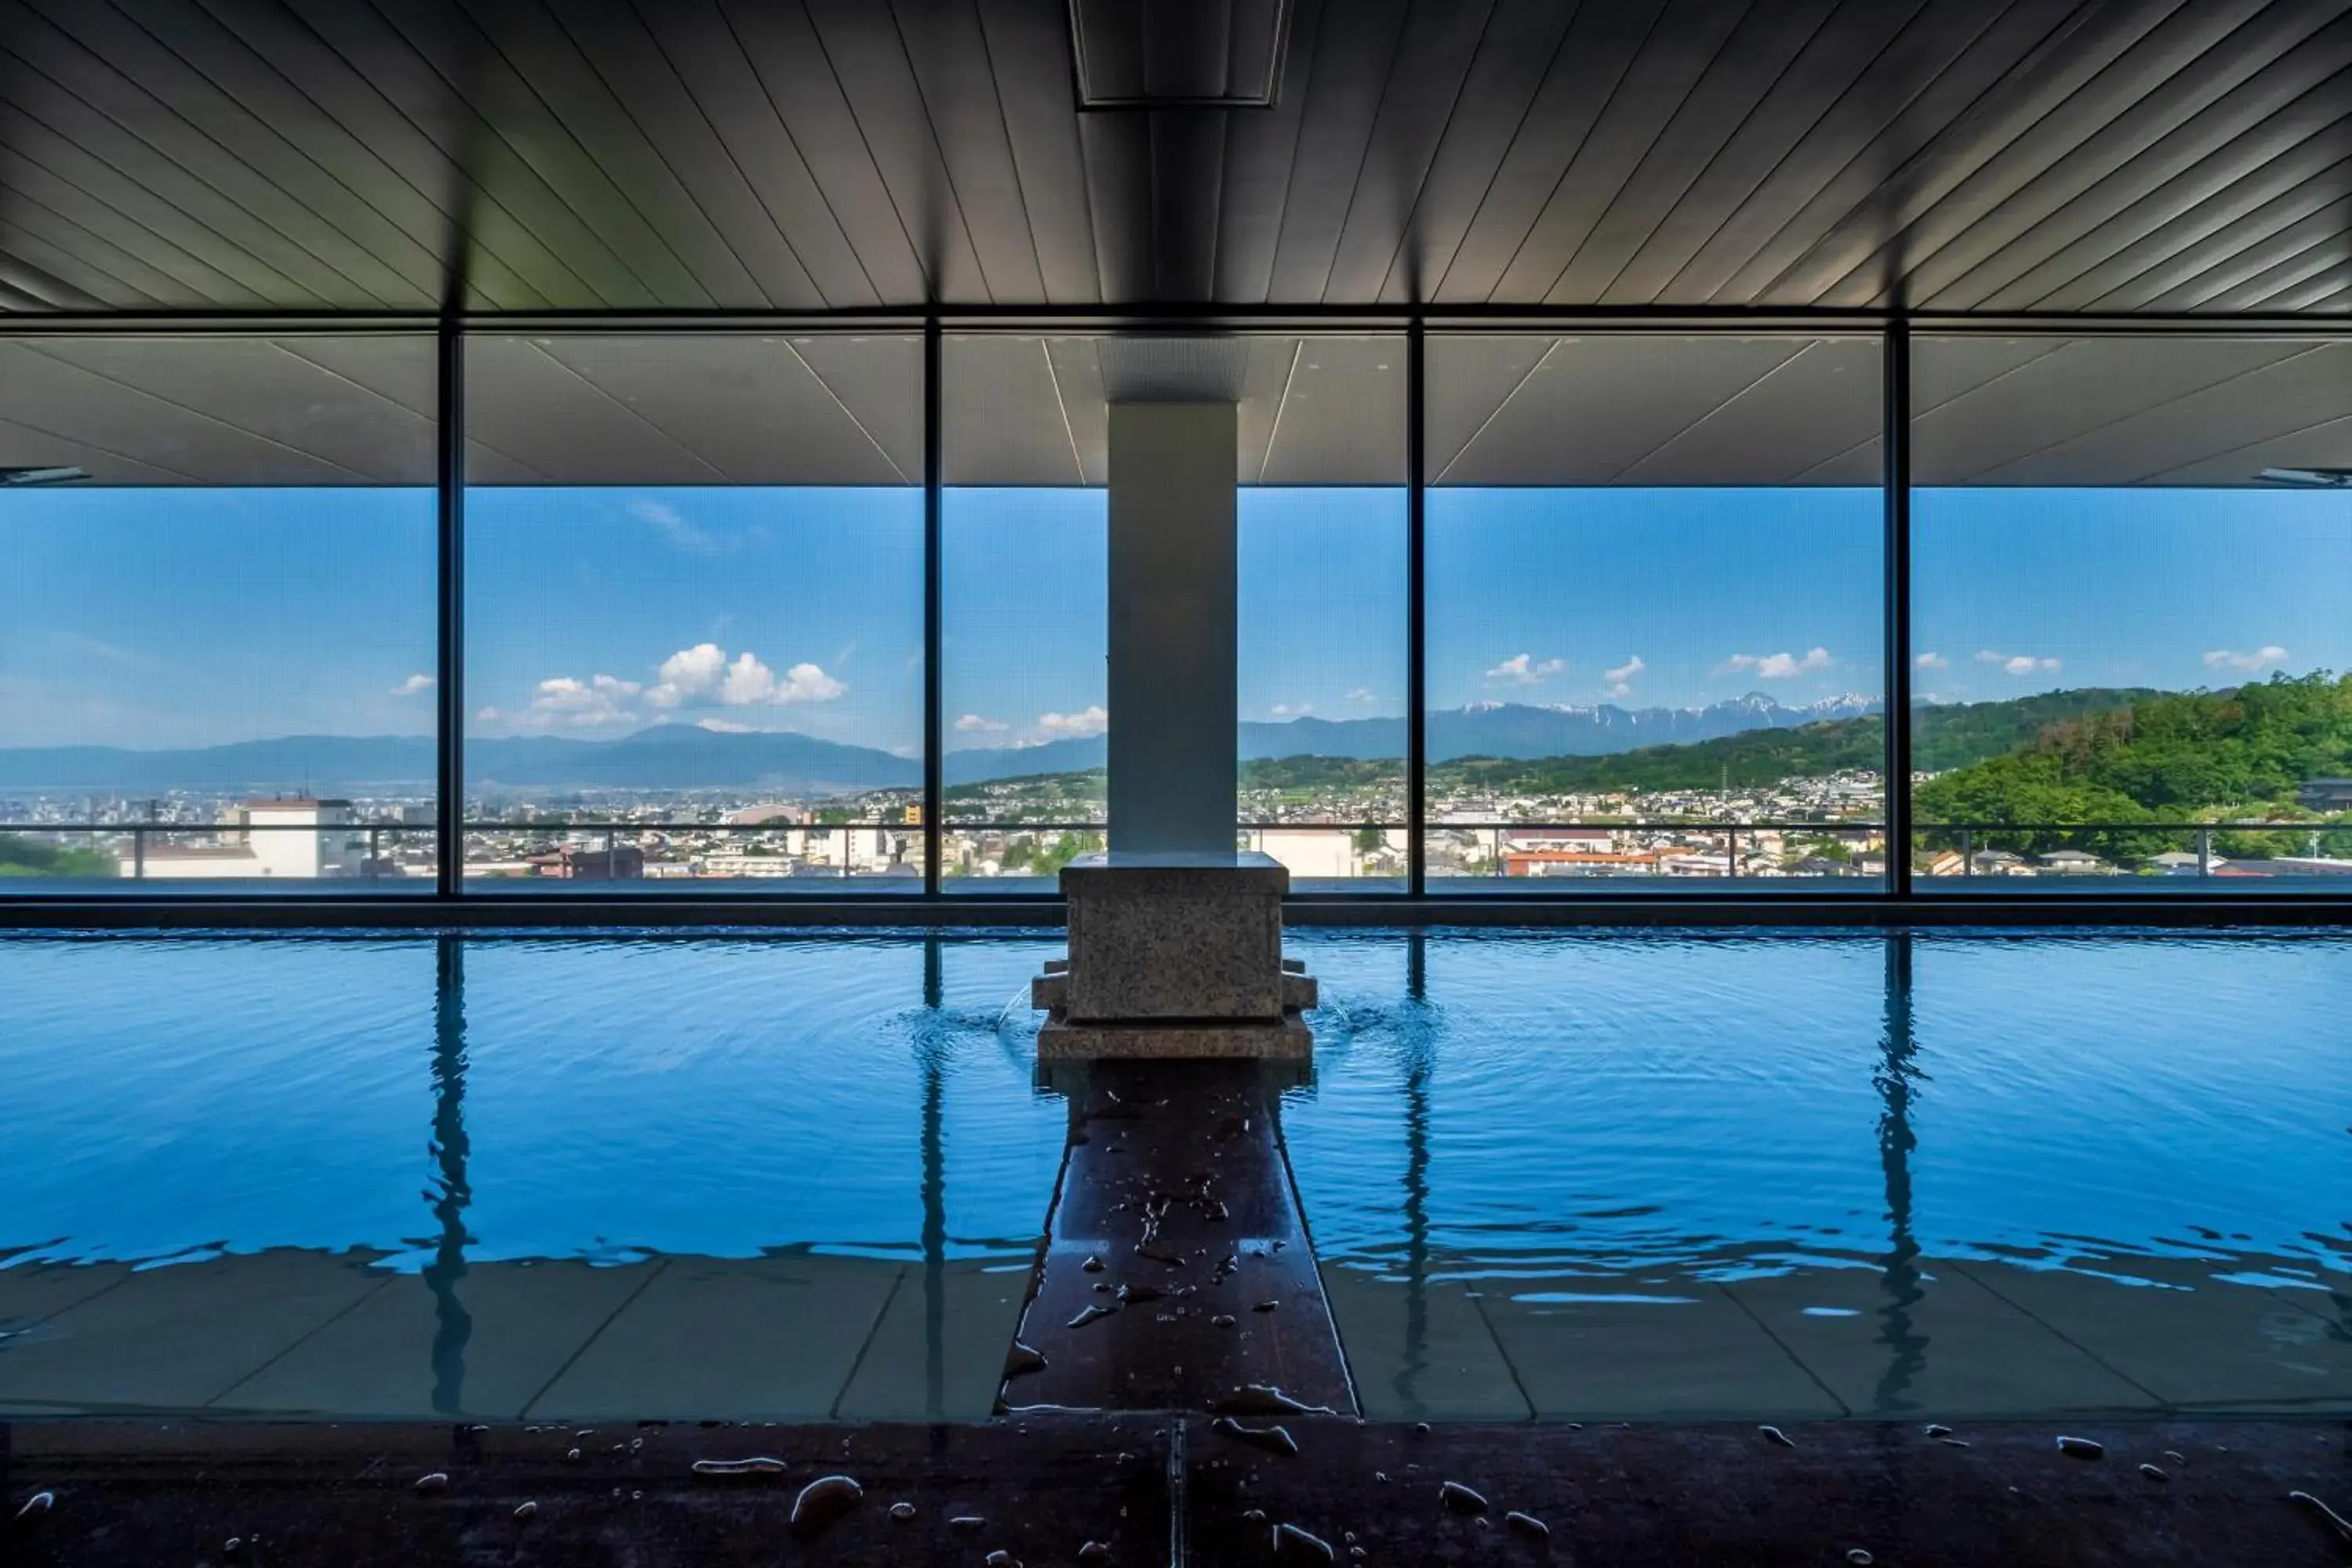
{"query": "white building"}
{"type": "Point", "coordinates": [286, 839]}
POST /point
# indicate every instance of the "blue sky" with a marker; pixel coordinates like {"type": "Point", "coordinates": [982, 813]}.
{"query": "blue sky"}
{"type": "Point", "coordinates": [173, 617]}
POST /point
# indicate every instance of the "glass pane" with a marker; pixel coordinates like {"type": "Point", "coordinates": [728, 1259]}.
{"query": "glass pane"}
{"type": "Point", "coordinates": [217, 628]}
{"type": "Point", "coordinates": [694, 613]}
{"type": "Point", "coordinates": [1655, 574]}
{"type": "Point", "coordinates": [1323, 585]}
{"type": "Point", "coordinates": [2132, 613]}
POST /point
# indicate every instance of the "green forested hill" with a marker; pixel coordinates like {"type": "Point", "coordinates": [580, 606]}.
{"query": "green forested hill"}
{"type": "Point", "coordinates": [2183, 756]}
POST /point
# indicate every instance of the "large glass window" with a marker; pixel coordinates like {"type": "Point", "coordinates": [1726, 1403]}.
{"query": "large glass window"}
{"type": "Point", "coordinates": [2132, 613]}
{"type": "Point", "coordinates": [1323, 586]}
{"type": "Point", "coordinates": [694, 624]}
{"type": "Point", "coordinates": [218, 626]}
{"type": "Point", "coordinates": [1654, 577]}
{"type": "Point", "coordinates": [1024, 624]}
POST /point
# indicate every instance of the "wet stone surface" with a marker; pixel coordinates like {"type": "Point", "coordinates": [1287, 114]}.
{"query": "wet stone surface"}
{"type": "Point", "coordinates": [1192, 1224]}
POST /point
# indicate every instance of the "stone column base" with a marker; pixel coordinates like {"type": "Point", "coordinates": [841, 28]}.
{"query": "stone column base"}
{"type": "Point", "coordinates": [1058, 1039]}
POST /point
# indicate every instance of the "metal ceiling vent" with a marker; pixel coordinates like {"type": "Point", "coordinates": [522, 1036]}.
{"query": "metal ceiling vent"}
{"type": "Point", "coordinates": [1178, 54]}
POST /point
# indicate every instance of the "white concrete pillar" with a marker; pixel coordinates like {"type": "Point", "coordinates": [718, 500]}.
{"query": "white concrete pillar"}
{"type": "Point", "coordinates": [1173, 621]}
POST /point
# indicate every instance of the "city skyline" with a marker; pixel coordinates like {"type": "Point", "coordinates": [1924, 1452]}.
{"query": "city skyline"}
{"type": "Point", "coordinates": [595, 613]}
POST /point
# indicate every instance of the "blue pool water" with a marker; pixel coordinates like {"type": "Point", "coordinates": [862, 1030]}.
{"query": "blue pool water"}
{"type": "Point", "coordinates": [1485, 1104]}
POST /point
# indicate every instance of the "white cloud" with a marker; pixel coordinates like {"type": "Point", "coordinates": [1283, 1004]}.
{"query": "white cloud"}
{"type": "Point", "coordinates": [724, 727]}
{"type": "Point", "coordinates": [1287, 711]}
{"type": "Point", "coordinates": [1526, 670]}
{"type": "Point", "coordinates": [1363, 694]}
{"type": "Point", "coordinates": [413, 685]}
{"type": "Point", "coordinates": [487, 716]}
{"type": "Point", "coordinates": [703, 673]}
{"type": "Point", "coordinates": [2019, 664]}
{"type": "Point", "coordinates": [2269, 655]}
{"type": "Point", "coordinates": [1780, 666]}
{"type": "Point", "coordinates": [681, 534]}
{"type": "Point", "coordinates": [1078, 726]}
{"type": "Point", "coordinates": [1932, 661]}
{"type": "Point", "coordinates": [974, 724]}
{"type": "Point", "coordinates": [599, 700]}
{"type": "Point", "coordinates": [1625, 671]}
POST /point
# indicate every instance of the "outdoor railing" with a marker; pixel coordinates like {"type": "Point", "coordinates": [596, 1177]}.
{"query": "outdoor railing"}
{"type": "Point", "coordinates": [362, 850]}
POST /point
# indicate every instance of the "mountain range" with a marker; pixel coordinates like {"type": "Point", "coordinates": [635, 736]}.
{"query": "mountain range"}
{"type": "Point", "coordinates": [684, 756]}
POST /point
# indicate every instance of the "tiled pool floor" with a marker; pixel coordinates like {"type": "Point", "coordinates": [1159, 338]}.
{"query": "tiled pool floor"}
{"type": "Point", "coordinates": [316, 1335]}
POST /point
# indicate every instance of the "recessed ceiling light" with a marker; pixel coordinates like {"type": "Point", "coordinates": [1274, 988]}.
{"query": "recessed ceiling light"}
{"type": "Point", "coordinates": [57, 476]}
{"type": "Point", "coordinates": [2311, 479]}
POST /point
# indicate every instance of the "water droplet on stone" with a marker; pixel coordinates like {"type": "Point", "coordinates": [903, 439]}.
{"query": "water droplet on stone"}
{"type": "Point", "coordinates": [1136, 1295]}
{"type": "Point", "coordinates": [572, 1455]}
{"type": "Point", "coordinates": [2175, 1458]}
{"type": "Point", "coordinates": [1527, 1524]}
{"type": "Point", "coordinates": [1936, 1429]}
{"type": "Point", "coordinates": [1001, 1558]}
{"type": "Point", "coordinates": [2154, 1473]}
{"type": "Point", "coordinates": [1023, 1359]}
{"type": "Point", "coordinates": [37, 1505]}
{"type": "Point", "coordinates": [2082, 1447]}
{"type": "Point", "coordinates": [1094, 1551]}
{"type": "Point", "coordinates": [1955, 1442]}
{"type": "Point", "coordinates": [526, 1511]}
{"type": "Point", "coordinates": [902, 1512]}
{"type": "Point", "coordinates": [1273, 1440]}
{"type": "Point", "coordinates": [233, 1545]}
{"type": "Point", "coordinates": [1265, 1306]}
{"type": "Point", "coordinates": [2343, 1525]}
{"type": "Point", "coordinates": [1094, 1265]}
{"type": "Point", "coordinates": [1223, 1320]}
{"type": "Point", "coordinates": [1291, 1541]}
{"type": "Point", "coordinates": [821, 1502]}
{"type": "Point", "coordinates": [1421, 1428]}
{"type": "Point", "coordinates": [1459, 1498]}
{"type": "Point", "coordinates": [438, 1481]}
{"type": "Point", "coordinates": [753, 1466]}
{"type": "Point", "coordinates": [966, 1522]}
{"type": "Point", "coordinates": [1775, 1435]}
{"type": "Point", "coordinates": [1858, 1557]}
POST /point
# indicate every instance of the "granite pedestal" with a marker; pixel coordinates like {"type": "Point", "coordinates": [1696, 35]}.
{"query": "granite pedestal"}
{"type": "Point", "coordinates": [1174, 955]}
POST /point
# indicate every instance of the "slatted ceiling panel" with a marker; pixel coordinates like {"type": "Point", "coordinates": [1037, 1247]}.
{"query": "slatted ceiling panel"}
{"type": "Point", "coordinates": [25, 446]}
{"type": "Point", "coordinates": [1877, 152]}
{"type": "Point", "coordinates": [2036, 100]}
{"type": "Point", "coordinates": [879, 382]}
{"type": "Point", "coordinates": [951, 85]}
{"type": "Point", "coordinates": [359, 407]}
{"type": "Point", "coordinates": [668, 158]}
{"type": "Point", "coordinates": [1465, 381]}
{"type": "Point", "coordinates": [584, 154]}
{"type": "Point", "coordinates": [1002, 417]}
{"type": "Point", "coordinates": [1434, 53]}
{"type": "Point", "coordinates": [2266, 162]}
{"type": "Point", "coordinates": [700, 411]}
{"type": "Point", "coordinates": [80, 87]}
{"type": "Point", "coordinates": [2256, 275]}
{"type": "Point", "coordinates": [231, 122]}
{"type": "Point", "coordinates": [860, 42]}
{"type": "Point", "coordinates": [1601, 47]}
{"type": "Point", "coordinates": [2275, 110]}
{"type": "Point", "coordinates": [1337, 420]}
{"type": "Point", "coordinates": [726, 93]}
{"type": "Point", "coordinates": [1354, 66]}
{"type": "Point", "coordinates": [1821, 403]}
{"type": "Point", "coordinates": [1765, 83]}
{"type": "Point", "coordinates": [1660, 87]}
{"type": "Point", "coordinates": [402, 53]}
{"type": "Point", "coordinates": [1596, 406]}
{"type": "Point", "coordinates": [2085, 386]}
{"type": "Point", "coordinates": [1188, 156]}
{"type": "Point", "coordinates": [1023, 50]}
{"type": "Point", "coordinates": [1081, 411]}
{"type": "Point", "coordinates": [1261, 150]}
{"type": "Point", "coordinates": [806, 97]}
{"type": "Point", "coordinates": [1516, 52]}
{"type": "Point", "coordinates": [2305, 384]}
{"type": "Point", "coordinates": [287, 73]}
{"type": "Point", "coordinates": [1634, 262]}
{"type": "Point", "coordinates": [2279, 70]}
{"type": "Point", "coordinates": [169, 419]}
